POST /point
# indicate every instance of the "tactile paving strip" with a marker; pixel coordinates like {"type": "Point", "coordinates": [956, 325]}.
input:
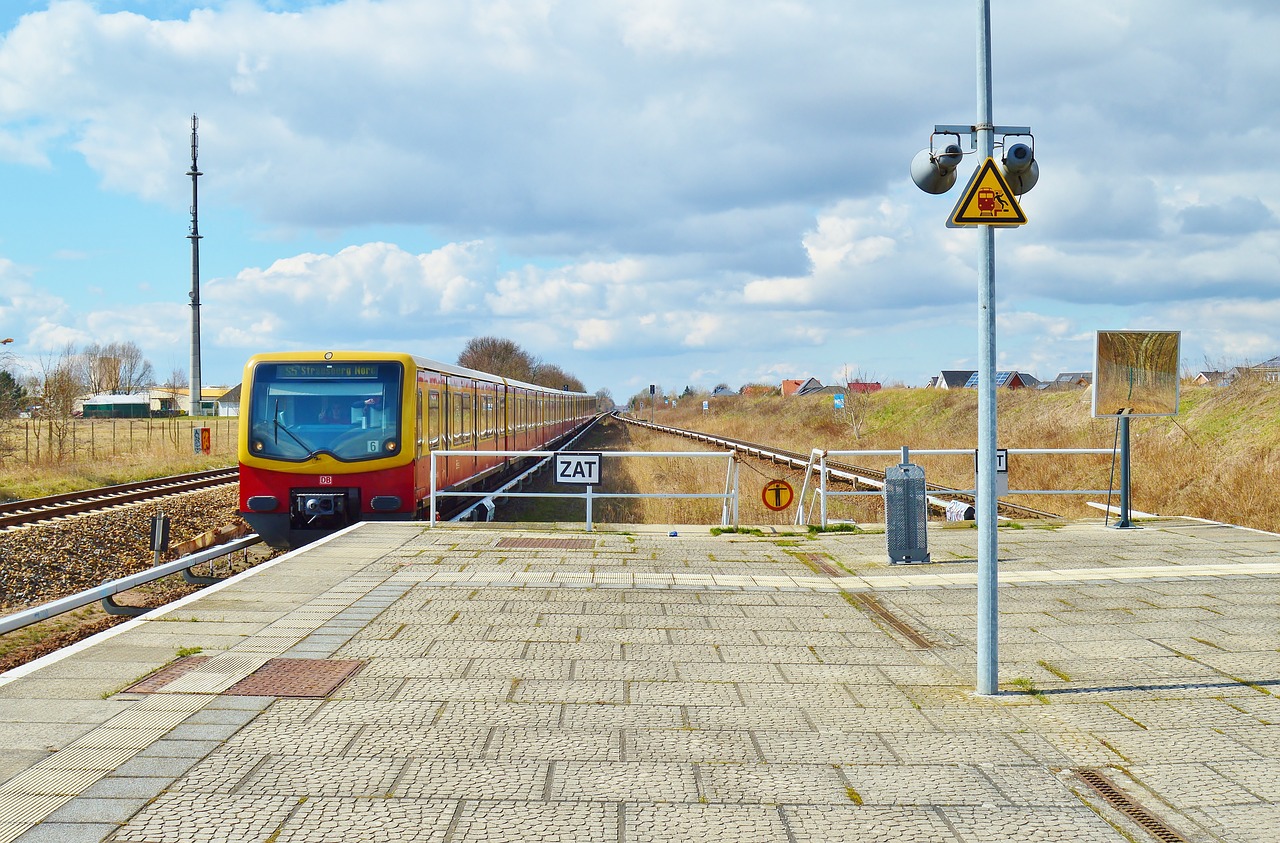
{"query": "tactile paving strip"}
{"type": "Point", "coordinates": [547, 544]}
{"type": "Point", "coordinates": [296, 678]}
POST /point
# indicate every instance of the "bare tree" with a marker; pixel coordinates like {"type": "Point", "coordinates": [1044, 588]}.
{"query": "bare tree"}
{"type": "Point", "coordinates": [550, 375]}
{"type": "Point", "coordinates": [13, 399]}
{"type": "Point", "coordinates": [61, 383]}
{"type": "Point", "coordinates": [117, 367]}
{"type": "Point", "coordinates": [857, 401]}
{"type": "Point", "coordinates": [177, 380]}
{"type": "Point", "coordinates": [498, 356]}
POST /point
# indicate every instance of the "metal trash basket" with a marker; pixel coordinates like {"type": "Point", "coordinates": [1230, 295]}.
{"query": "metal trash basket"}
{"type": "Point", "coordinates": [906, 514]}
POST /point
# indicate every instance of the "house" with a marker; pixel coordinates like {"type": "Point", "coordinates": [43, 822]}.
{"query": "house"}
{"type": "Point", "coordinates": [116, 407]}
{"type": "Point", "coordinates": [722, 391]}
{"type": "Point", "coordinates": [229, 402]}
{"type": "Point", "coordinates": [800, 387]}
{"type": "Point", "coordinates": [863, 387]}
{"type": "Point", "coordinates": [1067, 380]}
{"type": "Point", "coordinates": [759, 389]}
{"type": "Point", "coordinates": [176, 401]}
{"type": "Point", "coordinates": [1268, 370]}
{"type": "Point", "coordinates": [1006, 380]}
{"type": "Point", "coordinates": [951, 379]}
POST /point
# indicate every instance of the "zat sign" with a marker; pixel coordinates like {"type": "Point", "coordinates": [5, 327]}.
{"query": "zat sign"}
{"type": "Point", "coordinates": [583, 469]}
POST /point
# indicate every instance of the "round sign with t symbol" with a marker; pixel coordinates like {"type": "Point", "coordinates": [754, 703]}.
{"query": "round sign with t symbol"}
{"type": "Point", "coordinates": [777, 495]}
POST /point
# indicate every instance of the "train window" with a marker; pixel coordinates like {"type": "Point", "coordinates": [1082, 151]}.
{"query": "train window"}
{"type": "Point", "coordinates": [348, 410]}
{"type": "Point", "coordinates": [433, 419]}
{"type": "Point", "coordinates": [486, 427]}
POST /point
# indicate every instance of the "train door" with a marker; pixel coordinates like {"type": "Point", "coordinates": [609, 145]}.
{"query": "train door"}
{"type": "Point", "coordinates": [504, 420]}
{"type": "Point", "coordinates": [418, 429]}
{"type": "Point", "coordinates": [429, 435]}
{"type": "Point", "coordinates": [433, 420]}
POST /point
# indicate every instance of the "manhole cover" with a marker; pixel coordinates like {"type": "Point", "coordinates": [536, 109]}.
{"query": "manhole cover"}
{"type": "Point", "coordinates": [165, 675]}
{"type": "Point", "coordinates": [549, 544]}
{"type": "Point", "coordinates": [295, 678]}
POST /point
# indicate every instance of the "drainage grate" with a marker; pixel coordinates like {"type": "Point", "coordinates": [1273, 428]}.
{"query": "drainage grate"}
{"type": "Point", "coordinates": [295, 678]}
{"type": "Point", "coordinates": [871, 604]}
{"type": "Point", "coordinates": [1120, 800]}
{"type": "Point", "coordinates": [165, 675]}
{"type": "Point", "coordinates": [547, 544]}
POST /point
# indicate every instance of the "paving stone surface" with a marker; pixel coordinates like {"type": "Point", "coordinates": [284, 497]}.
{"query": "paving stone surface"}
{"type": "Point", "coordinates": [632, 686]}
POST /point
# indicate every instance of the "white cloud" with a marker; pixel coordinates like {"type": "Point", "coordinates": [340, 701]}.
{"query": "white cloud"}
{"type": "Point", "coordinates": [711, 186]}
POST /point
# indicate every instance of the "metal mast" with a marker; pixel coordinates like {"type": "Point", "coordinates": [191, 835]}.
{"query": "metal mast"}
{"type": "Point", "coordinates": [988, 540]}
{"type": "Point", "coordinates": [194, 237]}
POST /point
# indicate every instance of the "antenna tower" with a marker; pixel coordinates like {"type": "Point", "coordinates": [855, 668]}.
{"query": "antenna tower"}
{"type": "Point", "coordinates": [194, 237]}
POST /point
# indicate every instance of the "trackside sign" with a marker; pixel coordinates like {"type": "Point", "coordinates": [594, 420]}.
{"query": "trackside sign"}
{"type": "Point", "coordinates": [580, 468]}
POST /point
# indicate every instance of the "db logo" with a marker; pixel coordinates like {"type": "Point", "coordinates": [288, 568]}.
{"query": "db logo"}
{"type": "Point", "coordinates": [326, 479]}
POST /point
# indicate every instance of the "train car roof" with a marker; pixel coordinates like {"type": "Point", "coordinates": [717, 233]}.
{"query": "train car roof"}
{"type": "Point", "coordinates": [419, 362]}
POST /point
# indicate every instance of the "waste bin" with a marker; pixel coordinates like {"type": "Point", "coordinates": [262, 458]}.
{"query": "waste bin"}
{"type": "Point", "coordinates": [906, 514]}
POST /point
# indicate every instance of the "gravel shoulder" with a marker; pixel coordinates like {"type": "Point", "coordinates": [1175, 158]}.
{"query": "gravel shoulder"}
{"type": "Point", "coordinates": [45, 562]}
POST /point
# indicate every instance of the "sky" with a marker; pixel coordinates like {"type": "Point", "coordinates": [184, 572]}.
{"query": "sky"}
{"type": "Point", "coordinates": [671, 192]}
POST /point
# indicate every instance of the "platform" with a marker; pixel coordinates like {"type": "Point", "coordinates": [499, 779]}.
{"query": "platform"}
{"type": "Point", "coordinates": [485, 684]}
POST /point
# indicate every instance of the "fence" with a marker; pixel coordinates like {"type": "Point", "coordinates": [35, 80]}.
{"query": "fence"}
{"type": "Point", "coordinates": [32, 441]}
{"type": "Point", "coordinates": [728, 510]}
{"type": "Point", "coordinates": [818, 465]}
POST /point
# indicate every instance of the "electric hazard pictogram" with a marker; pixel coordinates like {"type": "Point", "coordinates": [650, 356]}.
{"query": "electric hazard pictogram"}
{"type": "Point", "coordinates": [987, 200]}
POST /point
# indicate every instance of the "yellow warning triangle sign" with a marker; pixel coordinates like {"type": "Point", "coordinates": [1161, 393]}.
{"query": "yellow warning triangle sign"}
{"type": "Point", "coordinates": [986, 200]}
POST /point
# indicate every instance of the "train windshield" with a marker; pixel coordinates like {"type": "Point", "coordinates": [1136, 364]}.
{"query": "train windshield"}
{"type": "Point", "coordinates": [347, 410]}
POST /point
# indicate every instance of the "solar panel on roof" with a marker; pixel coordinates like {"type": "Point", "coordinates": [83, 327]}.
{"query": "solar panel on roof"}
{"type": "Point", "coordinates": [1002, 379]}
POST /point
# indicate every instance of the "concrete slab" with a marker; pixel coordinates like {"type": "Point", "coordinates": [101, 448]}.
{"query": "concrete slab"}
{"type": "Point", "coordinates": [689, 687]}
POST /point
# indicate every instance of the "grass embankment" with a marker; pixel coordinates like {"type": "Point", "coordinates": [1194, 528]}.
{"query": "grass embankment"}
{"type": "Point", "coordinates": [106, 452]}
{"type": "Point", "coordinates": [1218, 458]}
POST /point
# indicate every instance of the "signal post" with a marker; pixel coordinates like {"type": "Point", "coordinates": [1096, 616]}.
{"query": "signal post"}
{"type": "Point", "coordinates": [988, 202]}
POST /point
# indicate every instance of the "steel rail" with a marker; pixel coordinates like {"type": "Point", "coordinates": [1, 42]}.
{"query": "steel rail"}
{"type": "Point", "coordinates": [17, 513]}
{"type": "Point", "coordinates": [489, 501]}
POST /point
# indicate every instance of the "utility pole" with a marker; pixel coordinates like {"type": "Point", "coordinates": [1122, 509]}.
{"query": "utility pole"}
{"type": "Point", "coordinates": [194, 237]}
{"type": "Point", "coordinates": [987, 203]}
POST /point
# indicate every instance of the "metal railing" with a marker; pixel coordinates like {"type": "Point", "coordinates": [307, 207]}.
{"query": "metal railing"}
{"type": "Point", "coordinates": [729, 497]}
{"type": "Point", "coordinates": [820, 492]}
{"type": "Point", "coordinates": [109, 589]}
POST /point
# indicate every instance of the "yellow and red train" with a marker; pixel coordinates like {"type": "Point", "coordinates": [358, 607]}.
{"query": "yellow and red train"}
{"type": "Point", "coordinates": [328, 438]}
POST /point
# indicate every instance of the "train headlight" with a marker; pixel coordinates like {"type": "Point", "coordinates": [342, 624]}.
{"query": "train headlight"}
{"type": "Point", "coordinates": [258, 444]}
{"type": "Point", "coordinates": [390, 446]}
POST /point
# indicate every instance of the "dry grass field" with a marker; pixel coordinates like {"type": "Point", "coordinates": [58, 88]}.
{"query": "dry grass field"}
{"type": "Point", "coordinates": [100, 452]}
{"type": "Point", "coordinates": [1219, 458]}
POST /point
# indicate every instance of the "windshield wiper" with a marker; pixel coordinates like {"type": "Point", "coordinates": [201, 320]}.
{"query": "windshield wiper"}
{"type": "Point", "coordinates": [279, 426]}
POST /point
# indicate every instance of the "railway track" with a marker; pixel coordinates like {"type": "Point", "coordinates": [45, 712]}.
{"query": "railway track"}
{"type": "Point", "coordinates": [34, 510]}
{"type": "Point", "coordinates": [801, 461]}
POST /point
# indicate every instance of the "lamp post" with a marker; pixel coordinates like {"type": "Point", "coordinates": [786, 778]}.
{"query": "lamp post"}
{"type": "Point", "coordinates": [988, 202]}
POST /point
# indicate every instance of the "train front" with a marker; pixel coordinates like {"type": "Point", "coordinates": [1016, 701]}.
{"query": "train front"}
{"type": "Point", "coordinates": [323, 443]}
